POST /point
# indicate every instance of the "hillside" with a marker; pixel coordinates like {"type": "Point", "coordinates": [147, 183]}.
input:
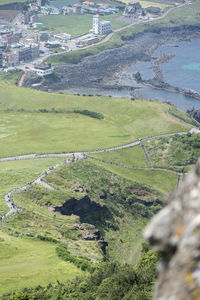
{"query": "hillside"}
{"type": "Point", "coordinates": [92, 206]}
{"type": "Point", "coordinates": [66, 128]}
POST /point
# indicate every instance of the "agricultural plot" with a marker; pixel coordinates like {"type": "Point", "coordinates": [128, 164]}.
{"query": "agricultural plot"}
{"type": "Point", "coordinates": [77, 24]}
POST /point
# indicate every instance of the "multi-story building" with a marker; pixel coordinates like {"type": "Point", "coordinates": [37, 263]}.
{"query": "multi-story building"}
{"type": "Point", "coordinates": [63, 37]}
{"type": "Point", "coordinates": [11, 38]}
{"type": "Point", "coordinates": [100, 27]}
{"type": "Point", "coordinates": [25, 54]}
{"type": "Point", "coordinates": [42, 2]}
{"type": "Point", "coordinates": [35, 51]}
{"type": "Point", "coordinates": [43, 69]}
{"type": "Point", "coordinates": [86, 41]}
{"type": "Point", "coordinates": [9, 59]}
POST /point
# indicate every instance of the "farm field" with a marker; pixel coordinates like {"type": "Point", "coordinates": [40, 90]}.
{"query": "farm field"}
{"type": "Point", "coordinates": [77, 24]}
{"type": "Point", "coordinates": [129, 157]}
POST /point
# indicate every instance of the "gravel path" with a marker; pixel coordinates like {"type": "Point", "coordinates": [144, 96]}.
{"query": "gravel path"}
{"type": "Point", "coordinates": [74, 156]}
{"type": "Point", "coordinates": [49, 155]}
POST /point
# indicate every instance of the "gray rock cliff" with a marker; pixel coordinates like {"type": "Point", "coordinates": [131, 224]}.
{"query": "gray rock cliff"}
{"type": "Point", "coordinates": [175, 233]}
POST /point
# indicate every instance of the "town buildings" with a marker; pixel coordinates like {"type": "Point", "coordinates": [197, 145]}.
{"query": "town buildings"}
{"type": "Point", "coordinates": [134, 9]}
{"type": "Point", "coordinates": [100, 27]}
{"type": "Point", "coordinates": [87, 40]}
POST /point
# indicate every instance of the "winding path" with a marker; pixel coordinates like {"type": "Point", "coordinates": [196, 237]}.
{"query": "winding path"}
{"type": "Point", "coordinates": [67, 154]}
{"type": "Point", "coordinates": [71, 157]}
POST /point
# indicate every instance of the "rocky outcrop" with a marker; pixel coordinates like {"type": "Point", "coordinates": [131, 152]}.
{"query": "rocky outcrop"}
{"type": "Point", "coordinates": [158, 83]}
{"type": "Point", "coordinates": [85, 208]}
{"type": "Point", "coordinates": [98, 71]}
{"type": "Point", "coordinates": [91, 212]}
{"type": "Point", "coordinates": [194, 113]}
{"type": "Point", "coordinates": [175, 233]}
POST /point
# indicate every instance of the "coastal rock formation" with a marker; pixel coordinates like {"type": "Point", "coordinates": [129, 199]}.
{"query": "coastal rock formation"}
{"type": "Point", "coordinates": [175, 234]}
{"type": "Point", "coordinates": [194, 113]}
{"type": "Point", "coordinates": [98, 71]}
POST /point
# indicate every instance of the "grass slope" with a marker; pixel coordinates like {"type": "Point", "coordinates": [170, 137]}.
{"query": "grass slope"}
{"type": "Point", "coordinates": [27, 263]}
{"type": "Point", "coordinates": [23, 129]}
{"type": "Point", "coordinates": [129, 157]}
{"type": "Point", "coordinates": [163, 181]}
{"type": "Point", "coordinates": [17, 173]}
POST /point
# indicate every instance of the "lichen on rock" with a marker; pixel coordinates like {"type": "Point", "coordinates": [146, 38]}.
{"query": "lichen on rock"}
{"type": "Point", "coordinates": [175, 233]}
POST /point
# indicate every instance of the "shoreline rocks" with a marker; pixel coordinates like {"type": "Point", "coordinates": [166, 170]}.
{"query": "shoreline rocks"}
{"type": "Point", "coordinates": [99, 71]}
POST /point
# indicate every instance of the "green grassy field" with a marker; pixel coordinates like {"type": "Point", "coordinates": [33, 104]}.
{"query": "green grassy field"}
{"type": "Point", "coordinates": [26, 130]}
{"type": "Point", "coordinates": [27, 263]}
{"type": "Point", "coordinates": [17, 173]}
{"type": "Point", "coordinates": [77, 24]}
{"type": "Point", "coordinates": [163, 181]}
{"type": "Point", "coordinates": [11, 77]}
{"type": "Point", "coordinates": [129, 157]}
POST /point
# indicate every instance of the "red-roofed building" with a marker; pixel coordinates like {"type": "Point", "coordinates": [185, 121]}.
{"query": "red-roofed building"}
{"type": "Point", "coordinates": [88, 3]}
{"type": "Point", "coordinates": [10, 59]}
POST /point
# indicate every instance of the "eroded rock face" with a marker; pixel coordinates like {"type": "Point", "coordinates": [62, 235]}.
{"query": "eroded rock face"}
{"type": "Point", "coordinates": [175, 234]}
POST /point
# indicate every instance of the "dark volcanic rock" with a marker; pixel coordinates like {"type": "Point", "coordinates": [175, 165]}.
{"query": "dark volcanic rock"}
{"type": "Point", "coordinates": [194, 113]}
{"type": "Point", "coordinates": [89, 211]}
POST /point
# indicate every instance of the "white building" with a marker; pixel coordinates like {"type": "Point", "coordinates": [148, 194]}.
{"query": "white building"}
{"type": "Point", "coordinates": [43, 69]}
{"type": "Point", "coordinates": [100, 27]}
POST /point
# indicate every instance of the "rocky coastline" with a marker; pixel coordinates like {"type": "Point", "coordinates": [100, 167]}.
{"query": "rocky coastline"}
{"type": "Point", "coordinates": [158, 83]}
{"type": "Point", "coordinates": [101, 71]}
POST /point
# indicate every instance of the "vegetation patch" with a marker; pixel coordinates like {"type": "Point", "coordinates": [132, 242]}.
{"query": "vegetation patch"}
{"type": "Point", "coordinates": [108, 281]}
{"type": "Point", "coordinates": [174, 152]}
{"type": "Point", "coordinates": [79, 261]}
{"type": "Point", "coordinates": [161, 180]}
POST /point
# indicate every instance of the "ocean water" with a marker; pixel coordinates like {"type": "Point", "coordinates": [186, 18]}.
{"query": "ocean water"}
{"type": "Point", "coordinates": [183, 71]}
